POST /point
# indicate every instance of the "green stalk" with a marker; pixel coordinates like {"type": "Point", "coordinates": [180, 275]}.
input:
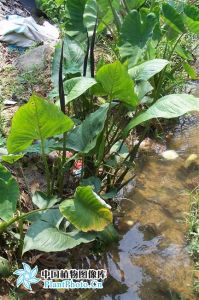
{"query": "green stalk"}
{"type": "Point", "coordinates": [161, 78]}
{"type": "Point", "coordinates": [21, 233]}
{"type": "Point", "coordinates": [4, 225]}
{"type": "Point", "coordinates": [47, 172]}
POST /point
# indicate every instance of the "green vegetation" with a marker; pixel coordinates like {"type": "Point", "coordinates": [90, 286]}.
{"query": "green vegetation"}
{"type": "Point", "coordinates": [193, 222]}
{"type": "Point", "coordinates": [93, 114]}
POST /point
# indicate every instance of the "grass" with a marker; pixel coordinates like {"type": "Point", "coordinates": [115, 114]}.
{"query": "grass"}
{"type": "Point", "coordinates": [193, 222]}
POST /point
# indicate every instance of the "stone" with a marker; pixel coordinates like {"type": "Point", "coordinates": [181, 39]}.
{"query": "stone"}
{"type": "Point", "coordinates": [33, 59]}
{"type": "Point", "coordinates": [190, 160]}
{"type": "Point", "coordinates": [170, 155]}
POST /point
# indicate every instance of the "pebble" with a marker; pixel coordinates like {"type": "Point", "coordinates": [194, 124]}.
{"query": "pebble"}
{"type": "Point", "coordinates": [169, 155]}
{"type": "Point", "coordinates": [192, 158]}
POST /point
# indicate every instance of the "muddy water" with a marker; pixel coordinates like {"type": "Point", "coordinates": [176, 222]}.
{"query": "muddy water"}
{"type": "Point", "coordinates": [151, 260]}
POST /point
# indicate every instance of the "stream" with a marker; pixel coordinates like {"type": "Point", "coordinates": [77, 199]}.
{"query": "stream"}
{"type": "Point", "coordinates": [151, 260]}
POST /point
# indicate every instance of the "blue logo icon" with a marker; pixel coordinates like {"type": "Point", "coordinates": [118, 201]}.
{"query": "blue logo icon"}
{"type": "Point", "coordinates": [27, 276]}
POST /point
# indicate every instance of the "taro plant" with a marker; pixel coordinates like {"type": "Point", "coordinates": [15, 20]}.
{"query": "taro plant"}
{"type": "Point", "coordinates": [53, 226]}
{"type": "Point", "coordinates": [141, 31]}
{"type": "Point", "coordinates": [110, 106]}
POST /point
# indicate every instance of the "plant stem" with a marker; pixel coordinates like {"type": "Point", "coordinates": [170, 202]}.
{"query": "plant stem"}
{"type": "Point", "coordinates": [47, 172]}
{"type": "Point", "coordinates": [5, 225]}
{"type": "Point", "coordinates": [161, 78]}
{"type": "Point", "coordinates": [126, 6]}
{"type": "Point", "coordinates": [21, 233]}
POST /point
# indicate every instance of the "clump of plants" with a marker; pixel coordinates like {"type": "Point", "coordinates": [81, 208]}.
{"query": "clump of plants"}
{"type": "Point", "coordinates": [94, 113]}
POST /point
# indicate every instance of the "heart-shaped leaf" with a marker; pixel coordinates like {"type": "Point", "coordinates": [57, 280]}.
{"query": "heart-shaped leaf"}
{"type": "Point", "coordinates": [135, 33]}
{"type": "Point", "coordinates": [116, 83]}
{"type": "Point", "coordinates": [32, 122]}
{"type": "Point", "coordinates": [87, 211]}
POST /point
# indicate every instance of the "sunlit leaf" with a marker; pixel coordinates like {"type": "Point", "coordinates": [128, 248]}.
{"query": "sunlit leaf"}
{"type": "Point", "coordinates": [117, 84]}
{"type": "Point", "coordinates": [11, 158]}
{"type": "Point", "coordinates": [171, 106]}
{"type": "Point", "coordinates": [147, 69]}
{"type": "Point", "coordinates": [87, 211]}
{"type": "Point", "coordinates": [36, 120]}
{"type": "Point", "coordinates": [77, 86]}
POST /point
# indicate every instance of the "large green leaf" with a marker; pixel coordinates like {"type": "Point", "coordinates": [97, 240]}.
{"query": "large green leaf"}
{"type": "Point", "coordinates": [90, 16]}
{"type": "Point", "coordinates": [87, 211]}
{"type": "Point", "coordinates": [147, 69]}
{"type": "Point", "coordinates": [74, 23]}
{"type": "Point", "coordinates": [9, 194]}
{"type": "Point", "coordinates": [173, 18]}
{"type": "Point", "coordinates": [45, 235]}
{"type": "Point", "coordinates": [84, 137]}
{"type": "Point", "coordinates": [73, 56]}
{"type": "Point", "coordinates": [38, 119]}
{"type": "Point", "coordinates": [192, 18]}
{"type": "Point", "coordinates": [171, 106]}
{"type": "Point", "coordinates": [117, 84]}
{"type": "Point", "coordinates": [135, 33]}
{"type": "Point", "coordinates": [77, 86]}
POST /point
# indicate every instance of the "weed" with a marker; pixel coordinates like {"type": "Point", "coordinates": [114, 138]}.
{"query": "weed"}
{"type": "Point", "coordinates": [193, 222]}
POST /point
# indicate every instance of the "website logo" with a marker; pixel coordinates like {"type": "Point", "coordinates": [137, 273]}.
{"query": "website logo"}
{"type": "Point", "coordinates": [27, 276]}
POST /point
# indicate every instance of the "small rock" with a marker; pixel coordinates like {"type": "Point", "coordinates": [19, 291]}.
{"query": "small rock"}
{"type": "Point", "coordinates": [33, 59]}
{"type": "Point", "coordinates": [129, 222]}
{"type": "Point", "coordinates": [188, 162]}
{"type": "Point", "coordinates": [170, 155]}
